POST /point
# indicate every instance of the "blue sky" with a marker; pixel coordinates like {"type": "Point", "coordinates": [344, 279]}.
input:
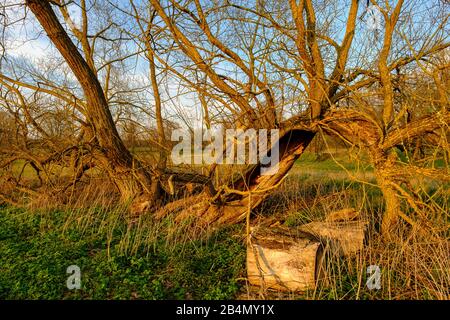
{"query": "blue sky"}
{"type": "Point", "coordinates": [27, 40]}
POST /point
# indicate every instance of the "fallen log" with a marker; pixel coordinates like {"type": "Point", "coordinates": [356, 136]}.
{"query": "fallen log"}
{"type": "Point", "coordinates": [285, 260]}
{"type": "Point", "coordinates": [343, 237]}
{"type": "Point", "coordinates": [293, 259]}
{"type": "Point", "coordinates": [230, 204]}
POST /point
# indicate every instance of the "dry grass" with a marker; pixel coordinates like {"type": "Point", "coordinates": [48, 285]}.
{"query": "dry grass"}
{"type": "Point", "coordinates": [415, 266]}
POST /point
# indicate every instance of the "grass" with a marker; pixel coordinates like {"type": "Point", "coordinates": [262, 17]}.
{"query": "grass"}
{"type": "Point", "coordinates": [37, 247]}
{"type": "Point", "coordinates": [122, 258]}
{"type": "Point", "coordinates": [330, 162]}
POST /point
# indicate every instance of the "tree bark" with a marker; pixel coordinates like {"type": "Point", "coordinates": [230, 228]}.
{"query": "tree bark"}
{"type": "Point", "coordinates": [284, 260]}
{"type": "Point", "coordinates": [232, 203]}
{"type": "Point", "coordinates": [384, 165]}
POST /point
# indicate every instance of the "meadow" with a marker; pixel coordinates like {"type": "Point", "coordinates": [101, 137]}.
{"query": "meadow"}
{"type": "Point", "coordinates": [123, 258]}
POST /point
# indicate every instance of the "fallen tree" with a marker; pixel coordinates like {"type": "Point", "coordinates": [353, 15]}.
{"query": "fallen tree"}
{"type": "Point", "coordinates": [333, 100]}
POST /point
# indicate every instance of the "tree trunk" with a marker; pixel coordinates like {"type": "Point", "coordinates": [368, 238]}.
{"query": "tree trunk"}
{"type": "Point", "coordinates": [232, 203]}
{"type": "Point", "coordinates": [384, 165]}
{"type": "Point", "coordinates": [162, 161]}
{"type": "Point", "coordinates": [284, 260]}
{"type": "Point", "coordinates": [345, 238]}
{"type": "Point", "coordinates": [126, 172]}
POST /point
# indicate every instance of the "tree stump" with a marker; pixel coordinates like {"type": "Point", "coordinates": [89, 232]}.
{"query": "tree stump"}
{"type": "Point", "coordinates": [285, 260]}
{"type": "Point", "coordinates": [343, 237]}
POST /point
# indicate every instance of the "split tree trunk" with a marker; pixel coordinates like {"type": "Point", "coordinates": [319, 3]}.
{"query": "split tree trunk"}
{"type": "Point", "coordinates": [232, 204]}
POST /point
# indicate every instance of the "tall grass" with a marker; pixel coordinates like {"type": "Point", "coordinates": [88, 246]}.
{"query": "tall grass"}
{"type": "Point", "coordinates": [417, 266]}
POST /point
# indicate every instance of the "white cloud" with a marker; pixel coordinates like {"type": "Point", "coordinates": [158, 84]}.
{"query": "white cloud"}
{"type": "Point", "coordinates": [31, 49]}
{"type": "Point", "coordinates": [25, 37]}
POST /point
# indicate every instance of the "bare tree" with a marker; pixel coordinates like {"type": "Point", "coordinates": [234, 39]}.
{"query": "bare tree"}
{"type": "Point", "coordinates": [295, 65]}
{"type": "Point", "coordinates": [326, 78]}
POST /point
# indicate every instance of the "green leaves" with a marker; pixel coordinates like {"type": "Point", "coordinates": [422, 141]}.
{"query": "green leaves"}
{"type": "Point", "coordinates": [35, 251]}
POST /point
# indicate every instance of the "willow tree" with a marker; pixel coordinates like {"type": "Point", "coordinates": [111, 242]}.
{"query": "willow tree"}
{"type": "Point", "coordinates": [295, 65]}
{"type": "Point", "coordinates": [127, 173]}
{"type": "Point", "coordinates": [251, 94]}
{"type": "Point", "coordinates": [247, 53]}
{"type": "Point", "coordinates": [93, 94]}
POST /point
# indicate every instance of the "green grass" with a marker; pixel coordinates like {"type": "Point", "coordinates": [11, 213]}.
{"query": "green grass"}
{"type": "Point", "coordinates": [148, 260]}
{"type": "Point", "coordinates": [337, 162]}
{"type": "Point", "coordinates": [36, 249]}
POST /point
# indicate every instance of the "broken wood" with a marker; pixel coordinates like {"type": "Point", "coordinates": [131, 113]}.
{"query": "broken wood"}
{"type": "Point", "coordinates": [286, 260]}
{"type": "Point", "coordinates": [344, 237]}
{"type": "Point", "coordinates": [230, 204]}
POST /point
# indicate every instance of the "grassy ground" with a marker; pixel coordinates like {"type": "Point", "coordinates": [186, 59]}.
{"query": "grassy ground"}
{"type": "Point", "coordinates": [142, 259]}
{"type": "Point", "coordinates": [37, 247]}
